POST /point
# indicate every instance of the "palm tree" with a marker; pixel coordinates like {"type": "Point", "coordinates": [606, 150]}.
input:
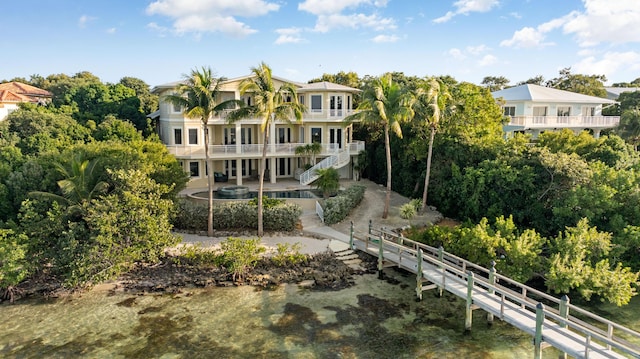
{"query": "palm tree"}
{"type": "Point", "coordinates": [387, 103]}
{"type": "Point", "coordinates": [270, 104]}
{"type": "Point", "coordinates": [432, 97]}
{"type": "Point", "coordinates": [328, 182]}
{"type": "Point", "coordinates": [198, 96]}
{"type": "Point", "coordinates": [80, 182]}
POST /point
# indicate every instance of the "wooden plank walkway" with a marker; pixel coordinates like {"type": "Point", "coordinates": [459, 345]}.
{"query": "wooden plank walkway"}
{"type": "Point", "coordinates": [503, 298]}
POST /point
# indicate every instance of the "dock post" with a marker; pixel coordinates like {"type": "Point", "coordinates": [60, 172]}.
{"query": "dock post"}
{"type": "Point", "coordinates": [492, 281]}
{"type": "Point", "coordinates": [351, 237]}
{"type": "Point", "coordinates": [564, 313]}
{"type": "Point", "coordinates": [537, 339]}
{"type": "Point", "coordinates": [370, 227]}
{"type": "Point", "coordinates": [440, 258]}
{"type": "Point", "coordinates": [419, 276]}
{"type": "Point", "coordinates": [469, 313]}
{"type": "Point", "coordinates": [564, 309]}
{"type": "Point", "coordinates": [380, 256]}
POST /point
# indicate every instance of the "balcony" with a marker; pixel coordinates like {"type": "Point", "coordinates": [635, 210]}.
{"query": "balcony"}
{"type": "Point", "coordinates": [550, 122]}
{"type": "Point", "coordinates": [255, 150]}
{"type": "Point", "coordinates": [324, 114]}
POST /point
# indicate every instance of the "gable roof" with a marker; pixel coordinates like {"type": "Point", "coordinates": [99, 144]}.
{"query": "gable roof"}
{"type": "Point", "coordinates": [538, 93]}
{"type": "Point", "coordinates": [24, 89]}
{"type": "Point", "coordinates": [9, 96]}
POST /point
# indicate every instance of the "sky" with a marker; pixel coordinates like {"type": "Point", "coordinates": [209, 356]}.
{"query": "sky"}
{"type": "Point", "coordinates": [159, 41]}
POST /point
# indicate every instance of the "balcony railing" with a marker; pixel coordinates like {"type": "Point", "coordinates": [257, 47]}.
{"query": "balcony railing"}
{"type": "Point", "coordinates": [324, 114]}
{"type": "Point", "coordinates": [565, 121]}
{"type": "Point", "coordinates": [255, 150]}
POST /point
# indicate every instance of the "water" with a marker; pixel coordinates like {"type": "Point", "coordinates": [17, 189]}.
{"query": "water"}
{"type": "Point", "coordinates": [271, 194]}
{"type": "Point", "coordinates": [373, 319]}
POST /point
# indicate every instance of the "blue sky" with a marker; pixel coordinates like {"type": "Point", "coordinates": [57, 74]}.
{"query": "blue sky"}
{"type": "Point", "coordinates": [159, 40]}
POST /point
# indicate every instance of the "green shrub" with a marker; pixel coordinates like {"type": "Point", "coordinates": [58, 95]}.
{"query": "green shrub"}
{"type": "Point", "coordinates": [240, 254]}
{"type": "Point", "coordinates": [196, 255]}
{"type": "Point", "coordinates": [416, 203]}
{"type": "Point", "coordinates": [407, 210]}
{"type": "Point", "coordinates": [337, 208]}
{"type": "Point", "coordinates": [288, 254]}
{"type": "Point", "coordinates": [280, 216]}
{"type": "Point", "coordinates": [267, 202]}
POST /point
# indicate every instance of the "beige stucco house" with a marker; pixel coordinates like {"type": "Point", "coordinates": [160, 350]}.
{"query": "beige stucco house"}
{"type": "Point", "coordinates": [236, 149]}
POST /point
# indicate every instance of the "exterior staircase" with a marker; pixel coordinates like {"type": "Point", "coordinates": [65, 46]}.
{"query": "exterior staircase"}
{"type": "Point", "coordinates": [337, 160]}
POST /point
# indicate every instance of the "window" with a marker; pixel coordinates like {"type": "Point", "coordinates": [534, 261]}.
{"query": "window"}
{"type": "Point", "coordinates": [193, 136]}
{"type": "Point", "coordinates": [564, 111]}
{"type": "Point", "coordinates": [316, 134]}
{"type": "Point", "coordinates": [177, 136]}
{"type": "Point", "coordinates": [539, 111]}
{"type": "Point", "coordinates": [316, 103]}
{"type": "Point", "coordinates": [588, 111]}
{"type": "Point", "coordinates": [194, 169]}
{"type": "Point", "coordinates": [509, 110]}
{"type": "Point", "coordinates": [301, 99]}
{"type": "Point", "coordinates": [177, 108]}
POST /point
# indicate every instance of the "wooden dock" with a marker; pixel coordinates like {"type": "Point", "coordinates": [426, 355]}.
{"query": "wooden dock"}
{"type": "Point", "coordinates": [553, 324]}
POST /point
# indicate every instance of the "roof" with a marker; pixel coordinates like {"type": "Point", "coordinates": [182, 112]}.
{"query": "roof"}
{"type": "Point", "coordinates": [325, 86]}
{"type": "Point", "coordinates": [539, 93]}
{"type": "Point", "coordinates": [614, 92]}
{"type": "Point", "coordinates": [302, 87]}
{"type": "Point", "coordinates": [9, 96]}
{"type": "Point", "coordinates": [24, 89]}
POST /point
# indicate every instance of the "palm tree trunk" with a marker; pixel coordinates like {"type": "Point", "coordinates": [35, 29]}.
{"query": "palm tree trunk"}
{"type": "Point", "coordinates": [387, 146]}
{"type": "Point", "coordinates": [428, 174]}
{"type": "Point", "coordinates": [261, 185]}
{"type": "Point", "coordinates": [209, 171]}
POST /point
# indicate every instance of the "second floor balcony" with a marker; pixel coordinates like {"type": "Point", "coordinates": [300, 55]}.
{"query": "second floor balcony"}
{"type": "Point", "coordinates": [255, 150]}
{"type": "Point", "coordinates": [544, 122]}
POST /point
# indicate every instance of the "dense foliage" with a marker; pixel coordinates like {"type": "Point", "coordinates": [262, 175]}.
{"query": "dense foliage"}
{"type": "Point", "coordinates": [85, 190]}
{"type": "Point", "coordinates": [337, 208]}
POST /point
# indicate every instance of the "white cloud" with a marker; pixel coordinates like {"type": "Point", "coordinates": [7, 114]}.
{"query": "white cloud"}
{"type": "Point", "coordinates": [487, 60]}
{"type": "Point", "coordinates": [385, 38]}
{"type": "Point", "coordinates": [111, 30]}
{"type": "Point", "coordinates": [199, 16]}
{"type": "Point", "coordinates": [84, 19]}
{"type": "Point", "coordinates": [608, 64]}
{"type": "Point", "coordinates": [456, 54]}
{"type": "Point", "coordinates": [477, 50]}
{"type": "Point", "coordinates": [606, 21]}
{"type": "Point", "coordinates": [333, 14]}
{"type": "Point", "coordinates": [464, 7]}
{"type": "Point", "coordinates": [160, 30]}
{"type": "Point", "coordinates": [290, 35]}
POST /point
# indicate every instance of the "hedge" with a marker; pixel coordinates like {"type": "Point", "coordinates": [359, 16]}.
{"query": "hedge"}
{"type": "Point", "coordinates": [337, 208]}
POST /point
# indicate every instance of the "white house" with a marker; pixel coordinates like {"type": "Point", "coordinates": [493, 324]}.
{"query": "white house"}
{"type": "Point", "coordinates": [236, 149]}
{"type": "Point", "coordinates": [13, 93]}
{"type": "Point", "coordinates": [534, 109]}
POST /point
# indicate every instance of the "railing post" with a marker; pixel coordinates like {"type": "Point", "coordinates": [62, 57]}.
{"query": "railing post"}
{"type": "Point", "coordinates": [370, 227]}
{"type": "Point", "coordinates": [419, 276]}
{"type": "Point", "coordinates": [537, 339]}
{"type": "Point", "coordinates": [564, 310]}
{"type": "Point", "coordinates": [351, 237]}
{"type": "Point", "coordinates": [440, 258]}
{"type": "Point", "coordinates": [492, 281]}
{"type": "Point", "coordinates": [469, 314]}
{"type": "Point", "coordinates": [380, 256]}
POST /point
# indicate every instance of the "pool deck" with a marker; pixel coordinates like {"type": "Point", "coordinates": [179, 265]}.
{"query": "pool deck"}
{"type": "Point", "coordinates": [281, 185]}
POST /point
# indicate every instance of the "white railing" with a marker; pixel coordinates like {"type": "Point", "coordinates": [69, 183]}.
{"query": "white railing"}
{"type": "Point", "coordinates": [279, 149]}
{"type": "Point", "coordinates": [320, 211]}
{"type": "Point", "coordinates": [322, 114]}
{"type": "Point", "coordinates": [564, 121]}
{"type": "Point", "coordinates": [335, 161]}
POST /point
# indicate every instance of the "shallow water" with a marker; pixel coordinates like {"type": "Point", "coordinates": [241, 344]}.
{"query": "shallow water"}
{"type": "Point", "coordinates": [373, 319]}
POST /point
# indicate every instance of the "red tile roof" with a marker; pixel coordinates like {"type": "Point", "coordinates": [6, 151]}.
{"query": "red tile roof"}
{"type": "Point", "coordinates": [19, 92]}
